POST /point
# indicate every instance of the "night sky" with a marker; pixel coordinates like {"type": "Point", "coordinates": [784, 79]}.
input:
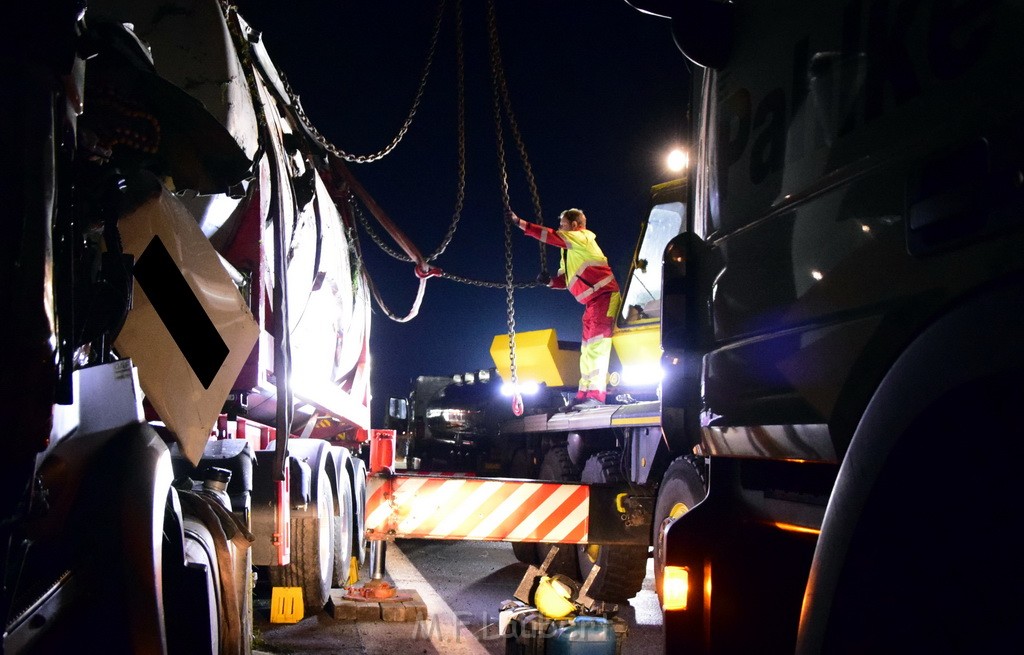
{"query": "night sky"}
{"type": "Point", "coordinates": [598, 90]}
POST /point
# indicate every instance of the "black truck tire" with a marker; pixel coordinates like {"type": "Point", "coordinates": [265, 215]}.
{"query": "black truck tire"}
{"type": "Point", "coordinates": [312, 551]}
{"type": "Point", "coordinates": [622, 568]}
{"type": "Point", "coordinates": [681, 488]}
{"type": "Point", "coordinates": [904, 537]}
{"type": "Point", "coordinates": [558, 467]}
{"type": "Point", "coordinates": [359, 509]}
{"type": "Point", "coordinates": [343, 519]}
{"type": "Point", "coordinates": [519, 467]}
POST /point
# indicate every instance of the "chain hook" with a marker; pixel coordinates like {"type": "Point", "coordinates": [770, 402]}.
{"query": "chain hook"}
{"type": "Point", "coordinates": [517, 403]}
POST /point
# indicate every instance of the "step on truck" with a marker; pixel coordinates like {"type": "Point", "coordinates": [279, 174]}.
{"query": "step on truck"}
{"type": "Point", "coordinates": [186, 325]}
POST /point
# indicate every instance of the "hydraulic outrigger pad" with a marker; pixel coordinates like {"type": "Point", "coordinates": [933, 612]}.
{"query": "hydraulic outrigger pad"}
{"type": "Point", "coordinates": [533, 574]}
{"type": "Point", "coordinates": [583, 599]}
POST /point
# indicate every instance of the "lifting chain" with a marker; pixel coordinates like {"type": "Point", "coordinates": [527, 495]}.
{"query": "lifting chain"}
{"type": "Point", "coordinates": [460, 195]}
{"type": "Point", "coordinates": [360, 269]}
{"type": "Point", "coordinates": [367, 226]}
{"type": "Point", "coordinates": [499, 77]}
{"type": "Point", "coordinates": [502, 101]}
{"type": "Point", "coordinates": [377, 156]}
{"type": "Point", "coordinates": [501, 87]}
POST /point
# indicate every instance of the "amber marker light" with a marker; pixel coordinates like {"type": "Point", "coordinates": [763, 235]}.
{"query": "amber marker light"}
{"type": "Point", "coordinates": [675, 587]}
{"type": "Point", "coordinates": [789, 527]}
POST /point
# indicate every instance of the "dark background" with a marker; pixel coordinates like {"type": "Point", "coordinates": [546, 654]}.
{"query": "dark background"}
{"type": "Point", "coordinates": [598, 90]}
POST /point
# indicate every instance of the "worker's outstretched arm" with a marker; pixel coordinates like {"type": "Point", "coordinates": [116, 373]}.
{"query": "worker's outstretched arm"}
{"type": "Point", "coordinates": [539, 232]}
{"type": "Point", "coordinates": [544, 235]}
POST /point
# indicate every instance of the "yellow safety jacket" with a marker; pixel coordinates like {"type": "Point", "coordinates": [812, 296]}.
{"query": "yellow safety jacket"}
{"type": "Point", "coordinates": [584, 269]}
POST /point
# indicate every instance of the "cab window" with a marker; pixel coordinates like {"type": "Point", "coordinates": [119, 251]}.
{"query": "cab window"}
{"type": "Point", "coordinates": [642, 299]}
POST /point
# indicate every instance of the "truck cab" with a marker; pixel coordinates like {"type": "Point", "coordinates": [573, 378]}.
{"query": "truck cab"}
{"type": "Point", "coordinates": [636, 337]}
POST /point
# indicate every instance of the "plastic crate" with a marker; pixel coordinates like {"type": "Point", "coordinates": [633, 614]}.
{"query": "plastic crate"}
{"type": "Point", "coordinates": [531, 633]}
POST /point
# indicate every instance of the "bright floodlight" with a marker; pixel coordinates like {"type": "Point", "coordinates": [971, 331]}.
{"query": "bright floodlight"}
{"type": "Point", "coordinates": [527, 388]}
{"type": "Point", "coordinates": [677, 160]}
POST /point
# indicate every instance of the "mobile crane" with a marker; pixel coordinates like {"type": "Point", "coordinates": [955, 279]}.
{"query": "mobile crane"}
{"type": "Point", "coordinates": [620, 452]}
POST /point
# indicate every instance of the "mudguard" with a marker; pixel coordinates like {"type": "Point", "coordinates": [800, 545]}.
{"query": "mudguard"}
{"type": "Point", "coordinates": [977, 339]}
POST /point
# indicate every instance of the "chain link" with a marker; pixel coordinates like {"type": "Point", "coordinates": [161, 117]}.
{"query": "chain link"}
{"type": "Point", "coordinates": [376, 238]}
{"type": "Point", "coordinates": [490, 285]}
{"type": "Point", "coordinates": [377, 156]}
{"type": "Point", "coordinates": [460, 195]}
{"type": "Point", "coordinates": [499, 91]}
{"type": "Point", "coordinates": [361, 271]}
{"type": "Point", "coordinates": [498, 71]}
{"type": "Point", "coordinates": [501, 101]}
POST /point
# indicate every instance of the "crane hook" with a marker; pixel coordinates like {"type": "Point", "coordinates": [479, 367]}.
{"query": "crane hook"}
{"type": "Point", "coordinates": [517, 404]}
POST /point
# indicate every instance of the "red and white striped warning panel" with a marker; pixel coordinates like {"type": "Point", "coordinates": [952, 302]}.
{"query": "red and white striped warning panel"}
{"type": "Point", "coordinates": [476, 509]}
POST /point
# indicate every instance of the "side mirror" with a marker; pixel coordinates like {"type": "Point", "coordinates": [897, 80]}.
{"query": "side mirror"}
{"type": "Point", "coordinates": [398, 408]}
{"type": "Point", "coordinates": [703, 29]}
{"type": "Point", "coordinates": [682, 306]}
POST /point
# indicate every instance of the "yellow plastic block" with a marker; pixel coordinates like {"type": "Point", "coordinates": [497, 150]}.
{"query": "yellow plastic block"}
{"type": "Point", "coordinates": [538, 359]}
{"type": "Point", "coordinates": [353, 571]}
{"type": "Point", "coordinates": [638, 345]}
{"type": "Point", "coordinates": [286, 605]}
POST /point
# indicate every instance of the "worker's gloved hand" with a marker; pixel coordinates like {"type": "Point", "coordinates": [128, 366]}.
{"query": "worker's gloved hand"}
{"type": "Point", "coordinates": [515, 220]}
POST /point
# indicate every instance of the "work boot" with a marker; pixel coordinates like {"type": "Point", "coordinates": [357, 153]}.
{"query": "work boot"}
{"type": "Point", "coordinates": [581, 403]}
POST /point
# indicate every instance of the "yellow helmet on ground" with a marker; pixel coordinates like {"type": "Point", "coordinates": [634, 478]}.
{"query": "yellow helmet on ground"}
{"type": "Point", "coordinates": [555, 595]}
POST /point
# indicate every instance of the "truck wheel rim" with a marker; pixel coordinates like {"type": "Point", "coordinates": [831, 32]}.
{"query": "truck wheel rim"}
{"type": "Point", "coordinates": [678, 510]}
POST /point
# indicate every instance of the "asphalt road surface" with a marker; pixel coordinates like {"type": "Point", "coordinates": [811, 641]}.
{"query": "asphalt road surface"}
{"type": "Point", "coordinates": [463, 584]}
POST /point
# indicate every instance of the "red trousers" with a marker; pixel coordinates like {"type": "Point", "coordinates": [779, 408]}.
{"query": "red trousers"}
{"type": "Point", "coordinates": [596, 349]}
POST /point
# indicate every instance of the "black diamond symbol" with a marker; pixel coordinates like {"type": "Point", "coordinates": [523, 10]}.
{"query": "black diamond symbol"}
{"type": "Point", "coordinates": [181, 312]}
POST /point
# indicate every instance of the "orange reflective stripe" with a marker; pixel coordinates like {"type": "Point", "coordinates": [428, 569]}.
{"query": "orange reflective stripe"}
{"type": "Point", "coordinates": [477, 509]}
{"type": "Point", "coordinates": [561, 525]}
{"type": "Point", "coordinates": [507, 510]}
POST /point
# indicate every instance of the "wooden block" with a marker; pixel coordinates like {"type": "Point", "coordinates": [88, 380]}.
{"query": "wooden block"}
{"type": "Point", "coordinates": [344, 609]}
{"type": "Point", "coordinates": [419, 606]}
{"type": "Point", "coordinates": [411, 609]}
{"type": "Point", "coordinates": [394, 612]}
{"type": "Point", "coordinates": [368, 612]}
{"type": "Point", "coordinates": [408, 606]}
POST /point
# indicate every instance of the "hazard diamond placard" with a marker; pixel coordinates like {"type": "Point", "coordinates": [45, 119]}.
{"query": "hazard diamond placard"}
{"type": "Point", "coordinates": [189, 330]}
